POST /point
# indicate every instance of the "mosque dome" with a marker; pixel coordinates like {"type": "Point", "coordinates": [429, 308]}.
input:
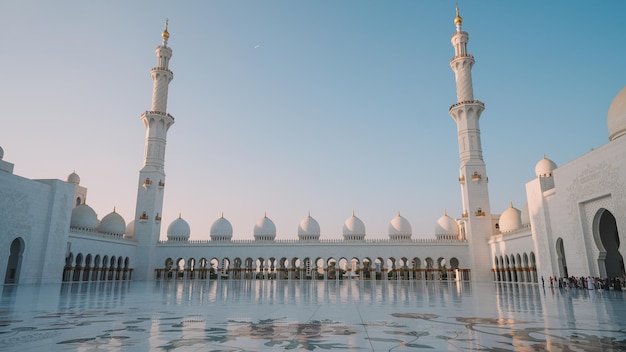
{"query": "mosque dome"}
{"type": "Point", "coordinates": [112, 224]}
{"type": "Point", "coordinates": [264, 229]}
{"type": "Point", "coordinates": [399, 228]}
{"type": "Point", "coordinates": [510, 220]}
{"type": "Point", "coordinates": [178, 230]}
{"type": "Point", "coordinates": [446, 227]}
{"type": "Point", "coordinates": [130, 230]}
{"type": "Point", "coordinates": [221, 230]}
{"type": "Point", "coordinates": [525, 215]}
{"type": "Point", "coordinates": [616, 117]}
{"type": "Point", "coordinates": [71, 178]}
{"type": "Point", "coordinates": [309, 229]}
{"type": "Point", "coordinates": [545, 167]}
{"type": "Point", "coordinates": [353, 228]}
{"type": "Point", "coordinates": [83, 217]}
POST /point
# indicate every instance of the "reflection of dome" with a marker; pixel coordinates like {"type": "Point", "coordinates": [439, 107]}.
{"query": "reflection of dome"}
{"type": "Point", "coordinates": [545, 167]}
{"type": "Point", "coordinates": [112, 224]}
{"type": "Point", "coordinates": [221, 230]}
{"type": "Point", "coordinates": [399, 228]}
{"type": "Point", "coordinates": [264, 229]}
{"type": "Point", "coordinates": [178, 230]}
{"type": "Point", "coordinates": [130, 229]}
{"type": "Point", "coordinates": [525, 217]}
{"type": "Point", "coordinates": [353, 229]}
{"type": "Point", "coordinates": [83, 217]}
{"type": "Point", "coordinates": [309, 229]}
{"type": "Point", "coordinates": [446, 227]}
{"type": "Point", "coordinates": [72, 178]}
{"type": "Point", "coordinates": [510, 220]}
{"type": "Point", "coordinates": [616, 117]}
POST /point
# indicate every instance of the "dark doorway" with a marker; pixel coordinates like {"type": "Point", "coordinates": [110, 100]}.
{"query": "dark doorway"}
{"type": "Point", "coordinates": [15, 261]}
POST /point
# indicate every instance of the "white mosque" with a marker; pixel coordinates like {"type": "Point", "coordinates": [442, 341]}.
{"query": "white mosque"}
{"type": "Point", "coordinates": [569, 226]}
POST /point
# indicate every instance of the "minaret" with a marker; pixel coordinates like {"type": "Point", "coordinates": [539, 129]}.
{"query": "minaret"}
{"type": "Point", "coordinates": [472, 171]}
{"type": "Point", "coordinates": [152, 175]}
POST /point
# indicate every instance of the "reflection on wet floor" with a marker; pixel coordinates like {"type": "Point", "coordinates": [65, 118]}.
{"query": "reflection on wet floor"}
{"type": "Point", "coordinates": [308, 315]}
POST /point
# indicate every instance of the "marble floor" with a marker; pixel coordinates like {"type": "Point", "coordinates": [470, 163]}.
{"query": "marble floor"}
{"type": "Point", "coordinates": [348, 315]}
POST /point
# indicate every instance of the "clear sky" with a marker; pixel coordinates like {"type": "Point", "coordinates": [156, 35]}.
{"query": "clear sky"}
{"type": "Point", "coordinates": [287, 107]}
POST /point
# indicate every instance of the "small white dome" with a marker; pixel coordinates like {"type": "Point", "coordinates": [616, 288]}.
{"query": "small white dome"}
{"type": "Point", "coordinates": [353, 228]}
{"type": "Point", "coordinates": [616, 117]}
{"type": "Point", "coordinates": [525, 215]}
{"type": "Point", "coordinates": [545, 167]}
{"type": "Point", "coordinates": [221, 230]}
{"type": "Point", "coordinates": [308, 229]}
{"type": "Point", "coordinates": [510, 220]}
{"type": "Point", "coordinates": [83, 217]}
{"type": "Point", "coordinates": [130, 230]}
{"type": "Point", "coordinates": [178, 230]}
{"type": "Point", "coordinates": [399, 228]}
{"type": "Point", "coordinates": [112, 224]}
{"type": "Point", "coordinates": [446, 226]}
{"type": "Point", "coordinates": [264, 229]}
{"type": "Point", "coordinates": [73, 178]}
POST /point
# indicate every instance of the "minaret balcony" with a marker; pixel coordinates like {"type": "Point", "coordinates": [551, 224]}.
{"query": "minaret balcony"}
{"type": "Point", "coordinates": [161, 184]}
{"type": "Point", "coordinates": [147, 183]}
{"type": "Point", "coordinates": [468, 56]}
{"type": "Point", "coordinates": [157, 113]}
{"type": "Point", "coordinates": [479, 212]}
{"type": "Point", "coordinates": [465, 214]}
{"type": "Point", "coordinates": [162, 69]}
{"type": "Point", "coordinates": [467, 102]}
{"type": "Point", "coordinates": [462, 179]}
{"type": "Point", "coordinates": [143, 217]}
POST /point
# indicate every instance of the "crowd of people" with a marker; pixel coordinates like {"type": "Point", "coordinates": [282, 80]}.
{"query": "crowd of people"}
{"type": "Point", "coordinates": [589, 283]}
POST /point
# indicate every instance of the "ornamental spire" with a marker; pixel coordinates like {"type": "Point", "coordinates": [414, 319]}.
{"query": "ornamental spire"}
{"type": "Point", "coordinates": [166, 34]}
{"type": "Point", "coordinates": [458, 19]}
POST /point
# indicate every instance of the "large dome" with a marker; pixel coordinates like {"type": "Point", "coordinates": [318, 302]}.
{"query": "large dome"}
{"type": "Point", "coordinates": [400, 228]}
{"type": "Point", "coordinates": [178, 230]}
{"type": "Point", "coordinates": [545, 167]}
{"type": "Point", "coordinates": [221, 230]}
{"type": "Point", "coordinates": [510, 220]}
{"type": "Point", "coordinates": [309, 229]}
{"type": "Point", "coordinates": [353, 228]}
{"type": "Point", "coordinates": [83, 217]}
{"type": "Point", "coordinates": [112, 224]}
{"type": "Point", "coordinates": [264, 229]}
{"type": "Point", "coordinates": [616, 117]}
{"type": "Point", "coordinates": [446, 227]}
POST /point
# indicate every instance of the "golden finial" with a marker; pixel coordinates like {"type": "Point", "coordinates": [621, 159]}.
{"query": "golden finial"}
{"type": "Point", "coordinates": [165, 33]}
{"type": "Point", "coordinates": [445, 213]}
{"type": "Point", "coordinates": [353, 214]}
{"type": "Point", "coordinates": [399, 213]}
{"type": "Point", "coordinates": [180, 215]}
{"type": "Point", "coordinates": [309, 213]}
{"type": "Point", "coordinates": [265, 215]}
{"type": "Point", "coordinates": [222, 215]}
{"type": "Point", "coordinates": [511, 204]}
{"type": "Point", "coordinates": [114, 208]}
{"type": "Point", "coordinates": [458, 19]}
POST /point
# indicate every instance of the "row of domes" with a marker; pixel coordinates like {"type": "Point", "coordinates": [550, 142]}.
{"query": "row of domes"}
{"type": "Point", "coordinates": [85, 218]}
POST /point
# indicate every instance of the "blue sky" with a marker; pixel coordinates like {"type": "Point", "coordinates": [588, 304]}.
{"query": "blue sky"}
{"type": "Point", "coordinates": [341, 107]}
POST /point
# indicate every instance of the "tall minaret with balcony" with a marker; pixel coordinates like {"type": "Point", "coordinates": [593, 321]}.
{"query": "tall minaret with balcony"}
{"type": "Point", "coordinates": [152, 175]}
{"type": "Point", "coordinates": [472, 171]}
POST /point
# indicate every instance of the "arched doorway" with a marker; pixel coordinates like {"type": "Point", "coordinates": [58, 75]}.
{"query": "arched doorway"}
{"type": "Point", "coordinates": [610, 261]}
{"type": "Point", "coordinates": [15, 262]}
{"type": "Point", "coordinates": [560, 254]}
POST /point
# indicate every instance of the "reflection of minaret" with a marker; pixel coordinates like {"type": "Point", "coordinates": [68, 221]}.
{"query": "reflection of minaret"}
{"type": "Point", "coordinates": [152, 175]}
{"type": "Point", "coordinates": [472, 172]}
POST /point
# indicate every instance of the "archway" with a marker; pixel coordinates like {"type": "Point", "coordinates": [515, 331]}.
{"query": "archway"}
{"type": "Point", "coordinates": [560, 254]}
{"type": "Point", "coordinates": [610, 261]}
{"type": "Point", "coordinates": [15, 262]}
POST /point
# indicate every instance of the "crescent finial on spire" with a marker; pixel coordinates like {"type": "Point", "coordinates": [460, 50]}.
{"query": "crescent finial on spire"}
{"type": "Point", "coordinates": [165, 35]}
{"type": "Point", "coordinates": [458, 19]}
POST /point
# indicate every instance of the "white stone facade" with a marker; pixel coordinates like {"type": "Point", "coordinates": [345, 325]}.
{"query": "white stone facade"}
{"type": "Point", "coordinates": [569, 226]}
